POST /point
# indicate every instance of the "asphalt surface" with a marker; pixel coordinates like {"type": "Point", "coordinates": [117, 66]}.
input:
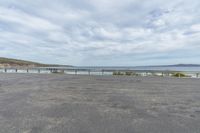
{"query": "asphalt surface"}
{"type": "Point", "coordinates": [51, 103]}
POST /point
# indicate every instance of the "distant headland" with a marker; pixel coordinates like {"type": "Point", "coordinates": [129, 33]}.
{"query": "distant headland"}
{"type": "Point", "coordinates": [9, 62]}
{"type": "Point", "coordinates": [176, 65]}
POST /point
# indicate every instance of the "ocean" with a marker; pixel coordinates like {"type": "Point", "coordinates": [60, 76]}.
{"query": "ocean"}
{"type": "Point", "coordinates": [159, 68]}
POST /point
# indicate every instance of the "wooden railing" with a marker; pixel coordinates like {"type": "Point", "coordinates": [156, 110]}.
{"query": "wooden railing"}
{"type": "Point", "coordinates": [91, 71]}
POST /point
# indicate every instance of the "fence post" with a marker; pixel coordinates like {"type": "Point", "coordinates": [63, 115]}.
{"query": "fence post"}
{"type": "Point", "coordinates": [75, 72]}
{"type": "Point", "coordinates": [197, 75]}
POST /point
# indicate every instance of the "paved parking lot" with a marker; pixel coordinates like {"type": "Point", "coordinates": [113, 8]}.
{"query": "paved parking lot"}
{"type": "Point", "coordinates": [52, 103]}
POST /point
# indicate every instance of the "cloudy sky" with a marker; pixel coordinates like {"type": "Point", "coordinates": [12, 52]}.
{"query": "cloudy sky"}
{"type": "Point", "coordinates": [101, 32]}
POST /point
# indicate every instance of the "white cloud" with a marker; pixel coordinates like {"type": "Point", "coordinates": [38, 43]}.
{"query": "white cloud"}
{"type": "Point", "coordinates": [75, 31]}
{"type": "Point", "coordinates": [195, 27]}
{"type": "Point", "coordinates": [25, 20]}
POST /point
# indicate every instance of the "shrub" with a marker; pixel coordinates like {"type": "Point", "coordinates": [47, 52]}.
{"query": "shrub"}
{"type": "Point", "coordinates": [118, 73]}
{"type": "Point", "coordinates": [129, 73]}
{"type": "Point", "coordinates": [178, 74]}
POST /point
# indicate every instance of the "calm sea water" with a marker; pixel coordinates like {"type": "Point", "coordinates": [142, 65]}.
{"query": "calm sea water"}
{"type": "Point", "coordinates": [142, 68]}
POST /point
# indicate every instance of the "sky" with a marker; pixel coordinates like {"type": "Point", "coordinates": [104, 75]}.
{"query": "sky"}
{"type": "Point", "coordinates": [101, 32]}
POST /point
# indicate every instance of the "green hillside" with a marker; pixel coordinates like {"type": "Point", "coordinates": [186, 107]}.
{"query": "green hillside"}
{"type": "Point", "coordinates": [16, 62]}
{"type": "Point", "coordinates": [7, 62]}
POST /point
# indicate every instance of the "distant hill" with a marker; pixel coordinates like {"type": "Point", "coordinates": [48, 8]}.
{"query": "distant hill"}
{"type": "Point", "coordinates": [186, 65]}
{"type": "Point", "coordinates": [176, 65]}
{"type": "Point", "coordinates": [8, 62]}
